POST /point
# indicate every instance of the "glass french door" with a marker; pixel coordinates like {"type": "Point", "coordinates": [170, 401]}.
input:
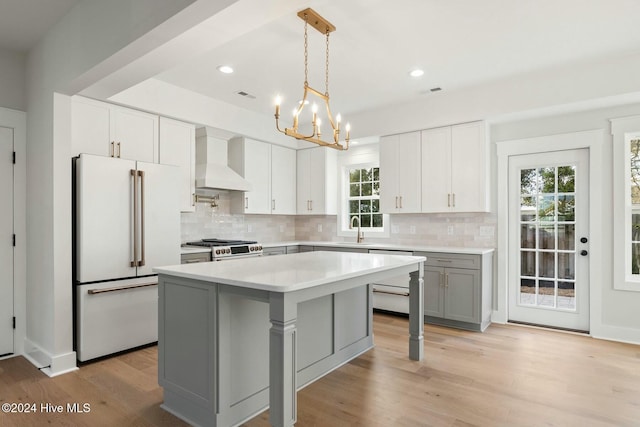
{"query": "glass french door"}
{"type": "Point", "coordinates": [548, 239]}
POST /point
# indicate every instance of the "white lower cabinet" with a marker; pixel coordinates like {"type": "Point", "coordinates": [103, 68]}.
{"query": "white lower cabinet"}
{"type": "Point", "coordinates": [457, 289]}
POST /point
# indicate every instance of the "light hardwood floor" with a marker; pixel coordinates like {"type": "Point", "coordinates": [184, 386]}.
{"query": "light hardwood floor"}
{"type": "Point", "coordinates": [506, 376]}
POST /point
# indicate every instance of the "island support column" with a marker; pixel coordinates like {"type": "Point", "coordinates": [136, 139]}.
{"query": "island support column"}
{"type": "Point", "coordinates": [416, 314]}
{"type": "Point", "coordinates": [282, 360]}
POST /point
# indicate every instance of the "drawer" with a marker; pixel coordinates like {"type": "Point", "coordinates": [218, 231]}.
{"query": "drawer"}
{"type": "Point", "coordinates": [391, 298]}
{"type": "Point", "coordinates": [441, 259]}
{"type": "Point", "coordinates": [195, 257]}
{"type": "Point", "coordinates": [116, 316]}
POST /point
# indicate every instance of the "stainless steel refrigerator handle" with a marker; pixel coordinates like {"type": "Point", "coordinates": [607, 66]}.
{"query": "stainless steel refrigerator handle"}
{"type": "Point", "coordinates": [119, 288]}
{"type": "Point", "coordinates": [142, 227]}
{"type": "Point", "coordinates": [134, 174]}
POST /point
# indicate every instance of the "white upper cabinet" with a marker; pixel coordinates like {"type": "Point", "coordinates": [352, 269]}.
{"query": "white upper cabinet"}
{"type": "Point", "coordinates": [271, 171]}
{"type": "Point", "coordinates": [454, 169]}
{"type": "Point", "coordinates": [110, 130]}
{"type": "Point", "coordinates": [283, 180]}
{"type": "Point", "coordinates": [400, 173]}
{"type": "Point", "coordinates": [317, 181]}
{"type": "Point", "coordinates": [177, 147]}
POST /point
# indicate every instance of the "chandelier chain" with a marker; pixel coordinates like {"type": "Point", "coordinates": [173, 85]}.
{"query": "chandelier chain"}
{"type": "Point", "coordinates": [326, 82]}
{"type": "Point", "coordinates": [306, 54]}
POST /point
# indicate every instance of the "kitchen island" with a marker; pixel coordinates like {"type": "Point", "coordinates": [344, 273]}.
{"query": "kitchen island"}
{"type": "Point", "coordinates": [238, 336]}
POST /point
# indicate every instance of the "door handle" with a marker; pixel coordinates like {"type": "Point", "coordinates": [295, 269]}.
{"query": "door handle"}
{"type": "Point", "coordinates": [396, 202]}
{"type": "Point", "coordinates": [119, 152]}
{"type": "Point", "coordinates": [448, 200]}
{"type": "Point", "coordinates": [454, 200]}
{"type": "Point", "coordinates": [584, 253]}
{"type": "Point", "coordinates": [112, 149]}
{"type": "Point", "coordinates": [246, 203]}
{"type": "Point", "coordinates": [273, 204]}
{"type": "Point", "coordinates": [400, 202]}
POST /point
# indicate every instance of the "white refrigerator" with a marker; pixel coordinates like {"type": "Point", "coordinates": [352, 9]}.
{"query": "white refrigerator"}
{"type": "Point", "coordinates": [127, 221]}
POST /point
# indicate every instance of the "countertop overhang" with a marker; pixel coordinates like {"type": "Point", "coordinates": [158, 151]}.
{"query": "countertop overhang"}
{"type": "Point", "coordinates": [292, 272]}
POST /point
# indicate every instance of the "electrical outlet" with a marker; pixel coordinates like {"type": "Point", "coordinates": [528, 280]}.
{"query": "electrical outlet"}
{"type": "Point", "coordinates": [450, 230]}
{"type": "Point", "coordinates": [249, 228]}
{"type": "Point", "coordinates": [412, 229]}
{"type": "Point", "coordinates": [319, 228]}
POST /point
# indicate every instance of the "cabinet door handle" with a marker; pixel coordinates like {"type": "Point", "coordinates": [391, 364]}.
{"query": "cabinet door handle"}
{"type": "Point", "coordinates": [119, 152]}
{"type": "Point", "coordinates": [193, 199]}
{"type": "Point", "coordinates": [246, 203]}
{"type": "Point", "coordinates": [310, 205]}
{"type": "Point", "coordinates": [441, 280]}
{"type": "Point", "coordinates": [446, 280]}
{"type": "Point", "coordinates": [400, 202]}
{"type": "Point", "coordinates": [273, 204]}
{"type": "Point", "coordinates": [448, 200]}
{"type": "Point", "coordinates": [454, 200]}
{"type": "Point", "coordinates": [112, 149]}
{"type": "Point", "coordinates": [396, 202]}
{"type": "Point", "coordinates": [444, 260]}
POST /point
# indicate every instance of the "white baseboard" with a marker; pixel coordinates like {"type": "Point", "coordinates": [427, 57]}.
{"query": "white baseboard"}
{"type": "Point", "coordinates": [51, 366]}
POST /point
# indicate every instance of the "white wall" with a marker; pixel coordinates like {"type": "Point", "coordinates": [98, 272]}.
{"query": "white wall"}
{"type": "Point", "coordinates": [616, 312]}
{"type": "Point", "coordinates": [12, 84]}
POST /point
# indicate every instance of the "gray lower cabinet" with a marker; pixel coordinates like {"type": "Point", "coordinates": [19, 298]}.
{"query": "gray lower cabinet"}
{"type": "Point", "coordinates": [457, 289]}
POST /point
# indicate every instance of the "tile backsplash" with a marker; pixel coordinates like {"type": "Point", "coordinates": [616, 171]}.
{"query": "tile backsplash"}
{"type": "Point", "coordinates": [450, 229]}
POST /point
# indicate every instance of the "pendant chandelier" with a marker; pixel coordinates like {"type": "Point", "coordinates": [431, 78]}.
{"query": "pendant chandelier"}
{"type": "Point", "coordinates": [312, 18]}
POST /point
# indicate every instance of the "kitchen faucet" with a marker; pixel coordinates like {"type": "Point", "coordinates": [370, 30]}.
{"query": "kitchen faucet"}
{"type": "Point", "coordinates": [360, 233]}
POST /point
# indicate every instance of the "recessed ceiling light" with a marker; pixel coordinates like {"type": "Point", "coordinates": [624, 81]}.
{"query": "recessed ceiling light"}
{"type": "Point", "coordinates": [225, 69]}
{"type": "Point", "coordinates": [416, 73]}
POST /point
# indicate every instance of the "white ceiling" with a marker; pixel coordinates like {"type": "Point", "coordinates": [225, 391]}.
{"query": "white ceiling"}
{"type": "Point", "coordinates": [24, 22]}
{"type": "Point", "coordinates": [458, 43]}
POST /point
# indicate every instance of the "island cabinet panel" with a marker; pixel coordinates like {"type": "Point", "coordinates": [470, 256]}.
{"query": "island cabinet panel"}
{"type": "Point", "coordinates": [353, 326]}
{"type": "Point", "coordinates": [183, 363]}
{"type": "Point", "coordinates": [315, 331]}
{"type": "Point", "coordinates": [213, 357]}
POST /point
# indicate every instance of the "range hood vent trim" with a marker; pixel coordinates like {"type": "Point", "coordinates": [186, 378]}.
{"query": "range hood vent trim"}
{"type": "Point", "coordinates": [213, 176]}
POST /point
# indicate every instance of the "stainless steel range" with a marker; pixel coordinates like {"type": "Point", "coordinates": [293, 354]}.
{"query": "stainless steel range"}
{"type": "Point", "coordinates": [229, 249]}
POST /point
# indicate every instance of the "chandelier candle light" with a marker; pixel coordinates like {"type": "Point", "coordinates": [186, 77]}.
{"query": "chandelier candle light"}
{"type": "Point", "coordinates": [312, 18]}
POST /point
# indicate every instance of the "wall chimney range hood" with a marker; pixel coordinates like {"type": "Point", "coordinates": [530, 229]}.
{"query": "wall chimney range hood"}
{"type": "Point", "coordinates": [212, 171]}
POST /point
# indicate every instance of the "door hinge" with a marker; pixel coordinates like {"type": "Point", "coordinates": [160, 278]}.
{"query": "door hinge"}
{"type": "Point", "coordinates": [14, 322]}
{"type": "Point", "coordinates": [14, 240]}
{"type": "Point", "coordinates": [14, 157]}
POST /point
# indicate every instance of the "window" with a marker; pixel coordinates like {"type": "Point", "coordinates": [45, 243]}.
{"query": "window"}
{"type": "Point", "coordinates": [364, 197]}
{"type": "Point", "coordinates": [633, 197]}
{"type": "Point", "coordinates": [626, 203]}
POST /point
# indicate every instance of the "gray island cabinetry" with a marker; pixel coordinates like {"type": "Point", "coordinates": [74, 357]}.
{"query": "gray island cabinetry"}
{"type": "Point", "coordinates": [240, 336]}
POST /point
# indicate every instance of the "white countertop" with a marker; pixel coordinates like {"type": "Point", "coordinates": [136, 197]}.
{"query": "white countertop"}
{"type": "Point", "coordinates": [386, 246]}
{"type": "Point", "coordinates": [289, 273]}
